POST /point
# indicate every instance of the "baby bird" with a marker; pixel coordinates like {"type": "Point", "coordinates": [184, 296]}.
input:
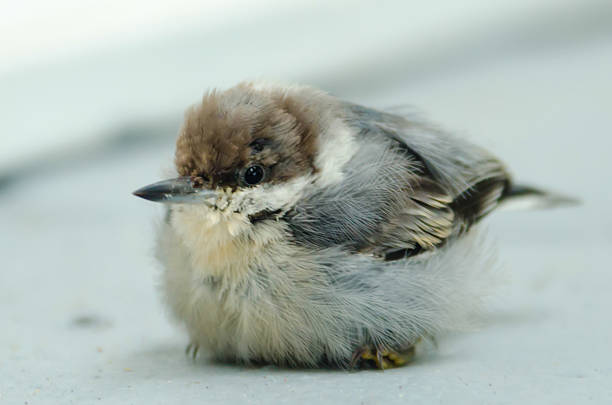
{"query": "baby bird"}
{"type": "Point", "coordinates": [306, 231]}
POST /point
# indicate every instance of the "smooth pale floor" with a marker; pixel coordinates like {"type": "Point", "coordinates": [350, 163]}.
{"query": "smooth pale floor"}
{"type": "Point", "coordinates": [82, 321]}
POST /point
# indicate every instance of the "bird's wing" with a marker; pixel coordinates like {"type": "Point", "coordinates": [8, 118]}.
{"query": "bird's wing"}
{"type": "Point", "coordinates": [453, 185]}
{"type": "Point", "coordinates": [409, 188]}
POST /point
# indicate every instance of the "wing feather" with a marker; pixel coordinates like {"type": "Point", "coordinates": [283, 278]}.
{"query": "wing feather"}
{"type": "Point", "coordinates": [408, 189]}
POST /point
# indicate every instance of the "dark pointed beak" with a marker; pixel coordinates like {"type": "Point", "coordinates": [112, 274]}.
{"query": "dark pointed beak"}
{"type": "Point", "coordinates": [176, 191]}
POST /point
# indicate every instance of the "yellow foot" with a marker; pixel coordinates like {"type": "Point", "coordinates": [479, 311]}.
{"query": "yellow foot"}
{"type": "Point", "coordinates": [382, 358]}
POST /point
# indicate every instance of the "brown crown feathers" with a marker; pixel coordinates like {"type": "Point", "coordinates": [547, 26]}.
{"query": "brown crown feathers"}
{"type": "Point", "coordinates": [239, 127]}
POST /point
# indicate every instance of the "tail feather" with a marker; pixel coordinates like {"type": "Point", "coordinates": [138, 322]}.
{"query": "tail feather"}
{"type": "Point", "coordinates": [521, 197]}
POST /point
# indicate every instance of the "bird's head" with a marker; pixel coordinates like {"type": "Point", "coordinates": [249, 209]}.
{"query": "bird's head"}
{"type": "Point", "coordinates": [252, 151]}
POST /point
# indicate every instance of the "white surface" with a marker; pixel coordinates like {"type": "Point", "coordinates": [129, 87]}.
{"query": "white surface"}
{"type": "Point", "coordinates": [82, 322]}
{"type": "Point", "coordinates": [44, 31]}
{"type": "Point", "coordinates": [105, 68]}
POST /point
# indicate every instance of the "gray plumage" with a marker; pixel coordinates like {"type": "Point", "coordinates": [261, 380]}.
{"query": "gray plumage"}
{"type": "Point", "coordinates": [363, 239]}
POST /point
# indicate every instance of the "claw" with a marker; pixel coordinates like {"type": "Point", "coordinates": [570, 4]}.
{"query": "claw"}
{"type": "Point", "coordinates": [195, 352]}
{"type": "Point", "coordinates": [192, 350]}
{"type": "Point", "coordinates": [357, 355]}
{"type": "Point", "coordinates": [380, 362]}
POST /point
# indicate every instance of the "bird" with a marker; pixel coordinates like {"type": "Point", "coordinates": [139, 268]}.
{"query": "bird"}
{"type": "Point", "coordinates": [302, 230]}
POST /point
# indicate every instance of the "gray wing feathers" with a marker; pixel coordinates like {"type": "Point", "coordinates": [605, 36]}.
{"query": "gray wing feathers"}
{"type": "Point", "coordinates": [409, 187]}
{"type": "Point", "coordinates": [426, 218]}
{"type": "Point", "coordinates": [454, 163]}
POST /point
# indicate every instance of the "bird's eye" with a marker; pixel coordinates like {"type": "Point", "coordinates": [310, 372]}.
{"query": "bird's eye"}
{"type": "Point", "coordinates": [253, 175]}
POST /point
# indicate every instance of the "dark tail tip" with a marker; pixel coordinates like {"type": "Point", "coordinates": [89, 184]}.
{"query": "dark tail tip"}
{"type": "Point", "coordinates": [518, 196]}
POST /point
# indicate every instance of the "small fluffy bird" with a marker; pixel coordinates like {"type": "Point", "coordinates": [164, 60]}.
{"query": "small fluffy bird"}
{"type": "Point", "coordinates": [302, 230]}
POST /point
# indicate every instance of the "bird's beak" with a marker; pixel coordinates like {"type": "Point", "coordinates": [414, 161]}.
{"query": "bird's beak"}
{"type": "Point", "coordinates": [177, 191]}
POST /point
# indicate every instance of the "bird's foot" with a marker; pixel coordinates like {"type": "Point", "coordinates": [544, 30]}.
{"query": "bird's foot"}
{"type": "Point", "coordinates": [370, 356]}
{"type": "Point", "coordinates": [192, 350]}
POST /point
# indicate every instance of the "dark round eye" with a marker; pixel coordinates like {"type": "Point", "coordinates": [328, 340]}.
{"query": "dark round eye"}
{"type": "Point", "coordinates": [253, 175]}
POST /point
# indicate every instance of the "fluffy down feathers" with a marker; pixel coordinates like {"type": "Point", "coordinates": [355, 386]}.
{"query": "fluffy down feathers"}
{"type": "Point", "coordinates": [361, 235]}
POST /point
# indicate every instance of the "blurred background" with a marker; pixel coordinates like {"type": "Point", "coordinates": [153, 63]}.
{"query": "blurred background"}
{"type": "Point", "coordinates": [92, 94]}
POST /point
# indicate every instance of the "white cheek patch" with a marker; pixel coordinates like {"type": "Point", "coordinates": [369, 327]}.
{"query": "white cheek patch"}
{"type": "Point", "coordinates": [336, 147]}
{"type": "Point", "coordinates": [270, 197]}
